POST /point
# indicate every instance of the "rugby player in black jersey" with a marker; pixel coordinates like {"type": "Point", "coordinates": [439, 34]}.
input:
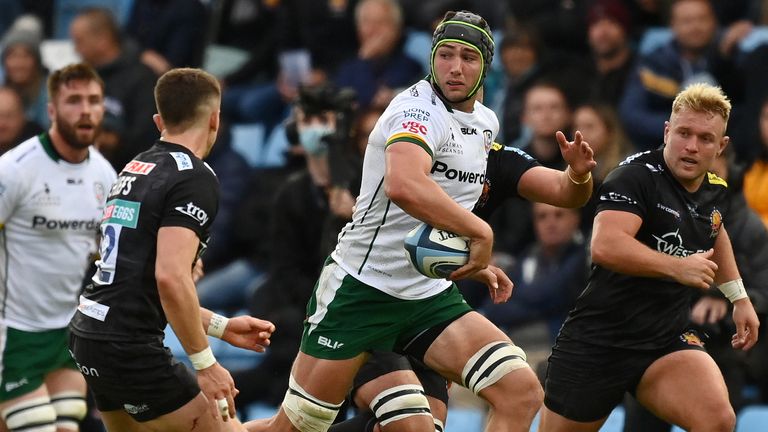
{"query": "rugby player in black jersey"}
{"type": "Point", "coordinates": [155, 226]}
{"type": "Point", "coordinates": [659, 235]}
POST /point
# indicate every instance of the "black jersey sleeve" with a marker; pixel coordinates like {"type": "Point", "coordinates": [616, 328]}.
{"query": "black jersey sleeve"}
{"type": "Point", "coordinates": [627, 188]}
{"type": "Point", "coordinates": [192, 202]}
{"type": "Point", "coordinates": [505, 167]}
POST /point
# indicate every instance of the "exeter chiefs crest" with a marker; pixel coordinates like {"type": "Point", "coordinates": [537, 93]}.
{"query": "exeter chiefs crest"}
{"type": "Point", "coordinates": [715, 222]}
{"type": "Point", "coordinates": [487, 140]}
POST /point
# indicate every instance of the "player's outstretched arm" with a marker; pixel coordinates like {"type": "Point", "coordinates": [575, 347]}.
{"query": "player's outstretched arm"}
{"type": "Point", "coordinates": [570, 188]}
{"type": "Point", "coordinates": [243, 331]}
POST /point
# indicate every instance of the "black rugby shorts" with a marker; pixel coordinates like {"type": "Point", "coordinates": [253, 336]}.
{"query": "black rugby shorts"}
{"type": "Point", "coordinates": [143, 379]}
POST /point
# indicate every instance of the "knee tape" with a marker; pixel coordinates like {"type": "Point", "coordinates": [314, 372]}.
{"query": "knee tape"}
{"type": "Point", "coordinates": [400, 402]}
{"type": "Point", "coordinates": [439, 426]}
{"type": "Point", "coordinates": [490, 363]}
{"type": "Point", "coordinates": [307, 413]}
{"type": "Point", "coordinates": [70, 408]}
{"type": "Point", "coordinates": [31, 415]}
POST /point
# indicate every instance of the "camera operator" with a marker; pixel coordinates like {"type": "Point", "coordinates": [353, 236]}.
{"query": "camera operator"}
{"type": "Point", "coordinates": [308, 211]}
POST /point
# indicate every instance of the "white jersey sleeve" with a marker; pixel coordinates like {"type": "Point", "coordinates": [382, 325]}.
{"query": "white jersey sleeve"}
{"type": "Point", "coordinates": [413, 118]}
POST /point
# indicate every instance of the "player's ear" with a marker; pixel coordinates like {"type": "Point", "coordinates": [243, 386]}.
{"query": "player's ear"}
{"type": "Point", "coordinates": [723, 144]}
{"type": "Point", "coordinates": [159, 124]}
{"type": "Point", "coordinates": [214, 120]}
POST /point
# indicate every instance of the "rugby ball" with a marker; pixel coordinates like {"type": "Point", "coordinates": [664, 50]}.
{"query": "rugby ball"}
{"type": "Point", "coordinates": [436, 253]}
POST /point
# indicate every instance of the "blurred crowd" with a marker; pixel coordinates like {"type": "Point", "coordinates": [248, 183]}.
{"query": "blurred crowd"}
{"type": "Point", "coordinates": [305, 81]}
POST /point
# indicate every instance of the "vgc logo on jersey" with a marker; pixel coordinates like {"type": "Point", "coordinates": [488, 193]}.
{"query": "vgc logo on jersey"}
{"type": "Point", "coordinates": [194, 212]}
{"type": "Point", "coordinates": [415, 127]}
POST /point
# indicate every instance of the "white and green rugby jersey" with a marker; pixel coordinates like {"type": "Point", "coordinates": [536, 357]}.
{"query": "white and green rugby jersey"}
{"type": "Point", "coordinates": [49, 212]}
{"type": "Point", "coordinates": [370, 247]}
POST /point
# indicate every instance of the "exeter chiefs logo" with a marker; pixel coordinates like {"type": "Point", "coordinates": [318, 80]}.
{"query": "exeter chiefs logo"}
{"type": "Point", "coordinates": [487, 140]}
{"type": "Point", "coordinates": [691, 338]}
{"type": "Point", "coordinates": [715, 222]}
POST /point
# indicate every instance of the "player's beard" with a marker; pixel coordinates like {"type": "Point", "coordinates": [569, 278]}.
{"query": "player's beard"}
{"type": "Point", "coordinates": [72, 137]}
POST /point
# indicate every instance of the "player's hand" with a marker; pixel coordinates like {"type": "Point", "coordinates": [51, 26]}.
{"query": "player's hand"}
{"type": "Point", "coordinates": [709, 310]}
{"type": "Point", "coordinates": [746, 321]}
{"type": "Point", "coordinates": [577, 153]}
{"type": "Point", "coordinates": [498, 283]}
{"type": "Point", "coordinates": [217, 384]}
{"type": "Point", "coordinates": [248, 333]}
{"type": "Point", "coordinates": [697, 270]}
{"type": "Point", "coordinates": [480, 249]}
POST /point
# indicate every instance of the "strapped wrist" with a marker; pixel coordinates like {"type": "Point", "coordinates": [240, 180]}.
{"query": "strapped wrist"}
{"type": "Point", "coordinates": [217, 325]}
{"type": "Point", "coordinates": [203, 359]}
{"type": "Point", "coordinates": [733, 290]}
{"type": "Point", "coordinates": [568, 171]}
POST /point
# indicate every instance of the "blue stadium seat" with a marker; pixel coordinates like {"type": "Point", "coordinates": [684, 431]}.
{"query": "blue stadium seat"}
{"type": "Point", "coordinates": [464, 420]}
{"type": "Point", "coordinates": [753, 418]}
{"type": "Point", "coordinates": [258, 410]}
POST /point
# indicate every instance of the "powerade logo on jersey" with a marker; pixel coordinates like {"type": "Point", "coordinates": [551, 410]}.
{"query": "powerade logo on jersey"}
{"type": "Point", "coordinates": [194, 212]}
{"type": "Point", "coordinates": [56, 224]}
{"type": "Point", "coordinates": [453, 174]}
{"type": "Point", "coordinates": [121, 212]}
{"type": "Point", "coordinates": [415, 127]}
{"type": "Point", "coordinates": [139, 167]}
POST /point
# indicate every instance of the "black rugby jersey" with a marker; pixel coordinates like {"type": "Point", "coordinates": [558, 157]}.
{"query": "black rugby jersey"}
{"type": "Point", "coordinates": [505, 167]}
{"type": "Point", "coordinates": [166, 185]}
{"type": "Point", "coordinates": [638, 312]}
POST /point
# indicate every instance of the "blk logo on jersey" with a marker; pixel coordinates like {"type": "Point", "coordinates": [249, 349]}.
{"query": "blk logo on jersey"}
{"type": "Point", "coordinates": [415, 127]}
{"type": "Point", "coordinates": [468, 131]}
{"type": "Point", "coordinates": [194, 212]}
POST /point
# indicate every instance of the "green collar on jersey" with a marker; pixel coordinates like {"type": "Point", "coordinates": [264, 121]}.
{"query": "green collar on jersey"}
{"type": "Point", "coordinates": [45, 140]}
{"type": "Point", "coordinates": [50, 150]}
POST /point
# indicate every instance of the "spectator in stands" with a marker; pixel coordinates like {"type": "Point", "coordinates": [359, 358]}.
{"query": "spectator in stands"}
{"type": "Point", "coordinates": [548, 275]}
{"type": "Point", "coordinates": [14, 127]}
{"type": "Point", "coordinates": [608, 33]}
{"type": "Point", "coordinates": [599, 123]}
{"type": "Point", "coordinates": [692, 55]}
{"type": "Point", "coordinates": [756, 178]}
{"type": "Point", "coordinates": [171, 33]}
{"type": "Point", "coordinates": [129, 83]}
{"type": "Point", "coordinates": [521, 62]}
{"type": "Point", "coordinates": [545, 111]}
{"type": "Point", "coordinates": [380, 67]}
{"type": "Point", "coordinates": [23, 67]}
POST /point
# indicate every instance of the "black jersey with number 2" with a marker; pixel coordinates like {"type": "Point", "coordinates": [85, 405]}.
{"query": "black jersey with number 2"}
{"type": "Point", "coordinates": [166, 185]}
{"type": "Point", "coordinates": [640, 312]}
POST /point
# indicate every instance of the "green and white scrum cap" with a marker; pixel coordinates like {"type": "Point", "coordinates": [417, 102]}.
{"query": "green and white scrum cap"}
{"type": "Point", "coordinates": [469, 29]}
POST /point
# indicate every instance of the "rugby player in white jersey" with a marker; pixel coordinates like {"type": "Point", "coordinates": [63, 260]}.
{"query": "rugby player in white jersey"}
{"type": "Point", "coordinates": [425, 161]}
{"type": "Point", "coordinates": [52, 192]}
